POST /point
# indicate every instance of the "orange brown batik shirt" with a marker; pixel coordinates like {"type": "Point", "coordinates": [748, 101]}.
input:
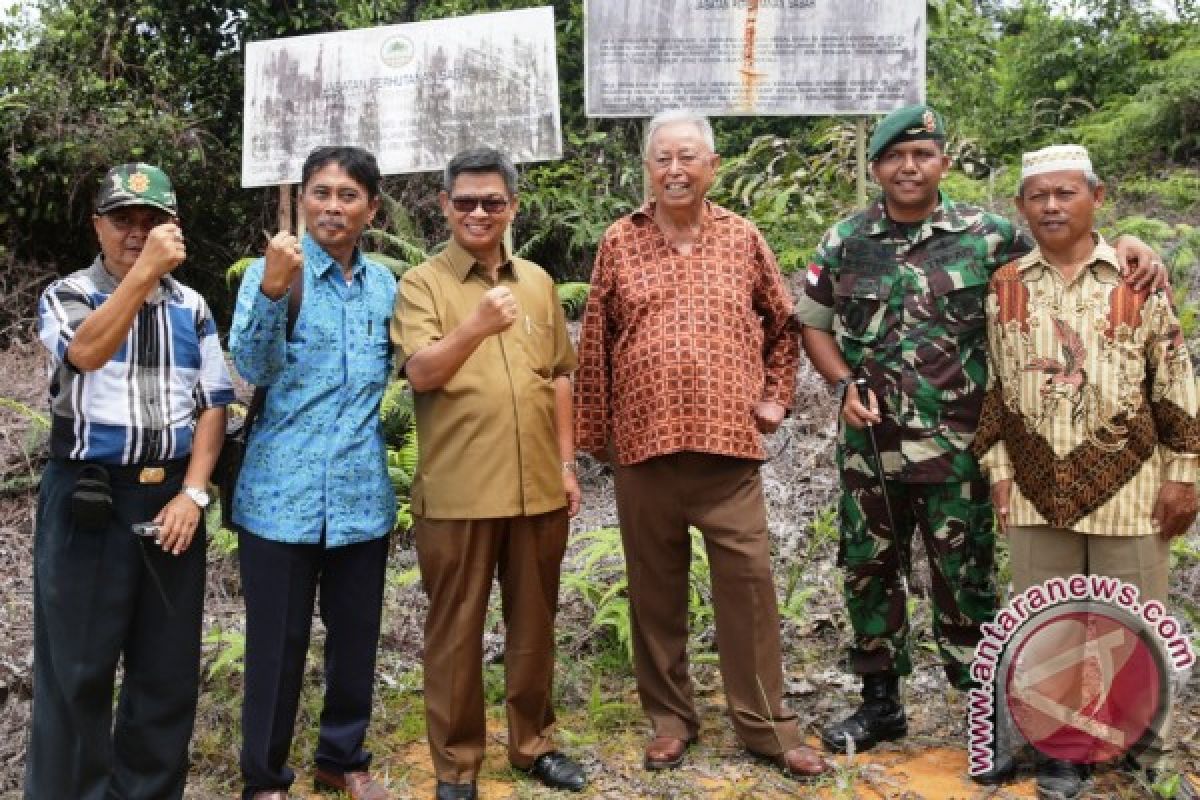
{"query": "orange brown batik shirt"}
{"type": "Point", "coordinates": [676, 349]}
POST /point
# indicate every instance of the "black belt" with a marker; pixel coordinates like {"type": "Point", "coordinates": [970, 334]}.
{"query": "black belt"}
{"type": "Point", "coordinates": [151, 473]}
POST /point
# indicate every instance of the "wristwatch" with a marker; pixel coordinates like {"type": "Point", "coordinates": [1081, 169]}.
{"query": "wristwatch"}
{"type": "Point", "coordinates": [197, 496]}
{"type": "Point", "coordinates": [839, 390]}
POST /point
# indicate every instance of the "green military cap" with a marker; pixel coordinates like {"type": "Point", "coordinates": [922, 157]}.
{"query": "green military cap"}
{"type": "Point", "coordinates": [905, 125]}
{"type": "Point", "coordinates": [136, 184]}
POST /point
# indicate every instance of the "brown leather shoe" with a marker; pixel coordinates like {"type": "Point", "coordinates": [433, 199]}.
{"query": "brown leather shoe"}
{"type": "Point", "coordinates": [666, 752]}
{"type": "Point", "coordinates": [270, 794]}
{"type": "Point", "coordinates": [357, 783]}
{"type": "Point", "coordinates": [801, 762]}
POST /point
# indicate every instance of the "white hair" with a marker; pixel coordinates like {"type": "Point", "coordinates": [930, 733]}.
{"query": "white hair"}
{"type": "Point", "coordinates": [664, 118]}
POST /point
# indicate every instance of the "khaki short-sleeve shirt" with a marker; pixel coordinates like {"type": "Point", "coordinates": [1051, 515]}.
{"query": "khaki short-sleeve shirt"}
{"type": "Point", "coordinates": [487, 439]}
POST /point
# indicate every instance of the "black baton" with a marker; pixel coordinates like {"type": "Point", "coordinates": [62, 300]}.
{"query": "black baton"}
{"type": "Point", "coordinates": [864, 398]}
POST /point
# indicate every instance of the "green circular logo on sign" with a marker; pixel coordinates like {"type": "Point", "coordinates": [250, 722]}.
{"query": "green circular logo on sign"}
{"type": "Point", "coordinates": [397, 51]}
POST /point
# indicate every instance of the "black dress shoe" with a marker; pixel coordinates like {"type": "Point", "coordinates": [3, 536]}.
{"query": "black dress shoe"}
{"type": "Point", "coordinates": [557, 771]}
{"type": "Point", "coordinates": [456, 791]}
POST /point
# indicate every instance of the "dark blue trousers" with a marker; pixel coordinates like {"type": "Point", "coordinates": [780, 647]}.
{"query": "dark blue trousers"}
{"type": "Point", "coordinates": [280, 583]}
{"type": "Point", "coordinates": [95, 603]}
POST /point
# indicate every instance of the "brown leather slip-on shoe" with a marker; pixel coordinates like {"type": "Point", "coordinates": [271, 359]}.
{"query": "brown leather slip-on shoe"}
{"type": "Point", "coordinates": [800, 762]}
{"type": "Point", "coordinates": [666, 752]}
{"type": "Point", "coordinates": [357, 783]}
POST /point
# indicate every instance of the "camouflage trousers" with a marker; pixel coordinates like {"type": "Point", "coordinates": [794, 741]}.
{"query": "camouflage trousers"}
{"type": "Point", "coordinates": [957, 527]}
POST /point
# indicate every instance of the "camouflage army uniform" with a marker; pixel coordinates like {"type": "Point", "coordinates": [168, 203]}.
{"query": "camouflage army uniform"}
{"type": "Point", "coordinates": [905, 305]}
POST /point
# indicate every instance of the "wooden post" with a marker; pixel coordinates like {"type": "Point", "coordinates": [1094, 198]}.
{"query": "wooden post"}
{"type": "Point", "coordinates": [299, 216]}
{"type": "Point", "coordinates": [860, 145]}
{"type": "Point", "coordinates": [642, 153]}
{"type": "Point", "coordinates": [285, 207]}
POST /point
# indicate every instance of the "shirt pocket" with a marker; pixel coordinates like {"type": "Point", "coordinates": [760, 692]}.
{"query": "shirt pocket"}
{"type": "Point", "coordinates": [373, 356]}
{"type": "Point", "coordinates": [960, 308]}
{"type": "Point", "coordinates": [860, 305]}
{"type": "Point", "coordinates": [537, 342]}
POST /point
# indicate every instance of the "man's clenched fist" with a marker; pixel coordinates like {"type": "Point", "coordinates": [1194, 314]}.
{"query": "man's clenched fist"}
{"type": "Point", "coordinates": [496, 311]}
{"type": "Point", "coordinates": [163, 250]}
{"type": "Point", "coordinates": [284, 260]}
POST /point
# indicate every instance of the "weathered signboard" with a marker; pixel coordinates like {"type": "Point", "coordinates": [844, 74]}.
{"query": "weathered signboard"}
{"type": "Point", "coordinates": [412, 94]}
{"type": "Point", "coordinates": [754, 57]}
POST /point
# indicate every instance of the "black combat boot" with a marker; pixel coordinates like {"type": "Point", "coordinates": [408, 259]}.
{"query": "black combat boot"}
{"type": "Point", "coordinates": [880, 718]}
{"type": "Point", "coordinates": [1060, 780]}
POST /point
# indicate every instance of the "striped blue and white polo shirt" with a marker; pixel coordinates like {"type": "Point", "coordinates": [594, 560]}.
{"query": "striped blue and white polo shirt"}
{"type": "Point", "coordinates": [141, 406]}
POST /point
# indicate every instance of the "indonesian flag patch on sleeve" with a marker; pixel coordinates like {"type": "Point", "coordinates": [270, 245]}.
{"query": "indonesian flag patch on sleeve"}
{"type": "Point", "coordinates": [814, 273]}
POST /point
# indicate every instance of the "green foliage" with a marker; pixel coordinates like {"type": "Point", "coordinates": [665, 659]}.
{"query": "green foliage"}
{"type": "Point", "coordinates": [396, 413]}
{"type": "Point", "coordinates": [230, 652]}
{"type": "Point", "coordinates": [994, 191]}
{"type": "Point", "coordinates": [402, 464]}
{"type": "Point", "coordinates": [573, 297]}
{"type": "Point", "coordinates": [235, 271]}
{"type": "Point", "coordinates": [595, 572]}
{"type": "Point", "coordinates": [792, 189]}
{"type": "Point", "coordinates": [798, 589]}
{"type": "Point", "coordinates": [567, 205]}
{"type": "Point", "coordinates": [399, 241]}
{"type": "Point", "coordinates": [33, 446]}
{"type": "Point", "coordinates": [400, 434]}
{"type": "Point", "coordinates": [1162, 116]}
{"type": "Point", "coordinates": [1175, 191]}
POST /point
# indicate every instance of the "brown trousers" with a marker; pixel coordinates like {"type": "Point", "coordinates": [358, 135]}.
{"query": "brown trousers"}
{"type": "Point", "coordinates": [458, 559]}
{"type": "Point", "coordinates": [656, 502]}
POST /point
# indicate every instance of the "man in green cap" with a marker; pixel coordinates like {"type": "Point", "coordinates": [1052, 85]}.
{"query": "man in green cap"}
{"type": "Point", "coordinates": [138, 392]}
{"type": "Point", "coordinates": [894, 297]}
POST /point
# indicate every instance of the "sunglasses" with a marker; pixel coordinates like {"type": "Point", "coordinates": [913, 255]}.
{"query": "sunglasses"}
{"type": "Point", "coordinates": [492, 204]}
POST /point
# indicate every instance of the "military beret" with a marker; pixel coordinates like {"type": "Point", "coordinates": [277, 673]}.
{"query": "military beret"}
{"type": "Point", "coordinates": [905, 125]}
{"type": "Point", "coordinates": [135, 185]}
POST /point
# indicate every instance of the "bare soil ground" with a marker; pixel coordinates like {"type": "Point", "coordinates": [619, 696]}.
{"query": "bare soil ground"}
{"type": "Point", "coordinates": [600, 721]}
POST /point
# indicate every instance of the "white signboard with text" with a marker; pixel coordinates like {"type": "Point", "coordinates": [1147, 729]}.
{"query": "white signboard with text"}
{"type": "Point", "coordinates": [753, 57]}
{"type": "Point", "coordinates": [414, 95]}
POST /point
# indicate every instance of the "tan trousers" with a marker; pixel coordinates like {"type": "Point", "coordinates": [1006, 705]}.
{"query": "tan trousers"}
{"type": "Point", "coordinates": [656, 502]}
{"type": "Point", "coordinates": [458, 559]}
{"type": "Point", "coordinates": [1040, 552]}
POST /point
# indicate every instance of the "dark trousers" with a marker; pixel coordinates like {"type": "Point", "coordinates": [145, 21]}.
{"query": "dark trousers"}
{"type": "Point", "coordinates": [279, 583]}
{"type": "Point", "coordinates": [459, 559]}
{"type": "Point", "coordinates": [96, 603]}
{"type": "Point", "coordinates": [657, 500]}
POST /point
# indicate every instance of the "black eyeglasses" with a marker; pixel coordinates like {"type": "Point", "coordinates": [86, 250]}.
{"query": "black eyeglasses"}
{"type": "Point", "coordinates": [492, 204]}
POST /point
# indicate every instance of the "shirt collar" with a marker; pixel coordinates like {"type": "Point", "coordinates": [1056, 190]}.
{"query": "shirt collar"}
{"type": "Point", "coordinates": [462, 262]}
{"type": "Point", "coordinates": [944, 217]}
{"type": "Point", "coordinates": [106, 283]}
{"type": "Point", "coordinates": [711, 211]}
{"type": "Point", "coordinates": [322, 262]}
{"type": "Point", "coordinates": [1102, 262]}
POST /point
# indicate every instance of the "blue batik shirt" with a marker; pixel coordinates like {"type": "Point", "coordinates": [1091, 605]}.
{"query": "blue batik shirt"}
{"type": "Point", "coordinates": [316, 459]}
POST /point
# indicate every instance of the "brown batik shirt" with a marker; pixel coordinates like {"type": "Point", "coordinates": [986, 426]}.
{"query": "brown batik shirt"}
{"type": "Point", "coordinates": [676, 349]}
{"type": "Point", "coordinates": [1091, 400]}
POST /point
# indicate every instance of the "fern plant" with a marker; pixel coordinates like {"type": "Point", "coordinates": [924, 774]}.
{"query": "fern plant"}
{"type": "Point", "coordinates": [573, 295]}
{"type": "Point", "coordinates": [596, 573]}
